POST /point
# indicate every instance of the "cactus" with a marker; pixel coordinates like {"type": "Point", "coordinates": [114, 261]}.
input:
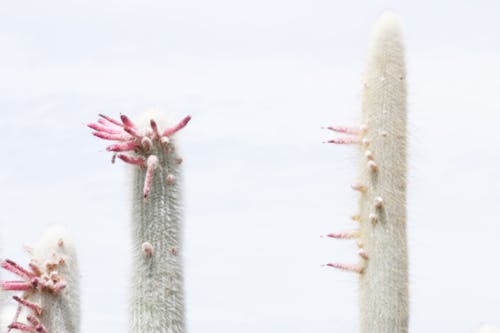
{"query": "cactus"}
{"type": "Point", "coordinates": [157, 300]}
{"type": "Point", "coordinates": [381, 138]}
{"type": "Point", "coordinates": [49, 301]}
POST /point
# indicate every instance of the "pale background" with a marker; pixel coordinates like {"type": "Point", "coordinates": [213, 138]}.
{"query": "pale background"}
{"type": "Point", "coordinates": [259, 78]}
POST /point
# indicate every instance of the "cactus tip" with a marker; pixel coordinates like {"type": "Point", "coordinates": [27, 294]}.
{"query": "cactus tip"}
{"type": "Point", "coordinates": [138, 144]}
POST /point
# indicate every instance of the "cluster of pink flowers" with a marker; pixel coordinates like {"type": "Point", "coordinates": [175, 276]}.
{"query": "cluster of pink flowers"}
{"type": "Point", "coordinates": [135, 146]}
{"type": "Point", "coordinates": [36, 279]}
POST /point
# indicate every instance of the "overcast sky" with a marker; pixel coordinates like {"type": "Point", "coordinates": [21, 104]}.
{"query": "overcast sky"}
{"type": "Point", "coordinates": [259, 78]}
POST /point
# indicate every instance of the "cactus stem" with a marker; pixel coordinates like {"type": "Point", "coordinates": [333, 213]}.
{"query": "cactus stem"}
{"type": "Point", "coordinates": [157, 295]}
{"type": "Point", "coordinates": [383, 287]}
{"type": "Point", "coordinates": [356, 268]}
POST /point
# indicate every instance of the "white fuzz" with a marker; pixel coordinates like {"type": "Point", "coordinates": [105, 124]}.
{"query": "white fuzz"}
{"type": "Point", "coordinates": [157, 295]}
{"type": "Point", "coordinates": [61, 311]}
{"type": "Point", "coordinates": [384, 283]}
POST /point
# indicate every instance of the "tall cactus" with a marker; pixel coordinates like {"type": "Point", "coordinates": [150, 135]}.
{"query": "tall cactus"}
{"type": "Point", "coordinates": [49, 302]}
{"type": "Point", "coordinates": [381, 138]}
{"type": "Point", "coordinates": [157, 300]}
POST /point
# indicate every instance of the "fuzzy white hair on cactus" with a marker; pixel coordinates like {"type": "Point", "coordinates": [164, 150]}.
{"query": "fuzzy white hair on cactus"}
{"type": "Point", "coordinates": [49, 298]}
{"type": "Point", "coordinates": [382, 265]}
{"type": "Point", "coordinates": [157, 295]}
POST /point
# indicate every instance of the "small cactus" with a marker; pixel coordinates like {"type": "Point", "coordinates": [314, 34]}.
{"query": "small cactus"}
{"type": "Point", "coordinates": [381, 183]}
{"type": "Point", "coordinates": [49, 299]}
{"type": "Point", "coordinates": [157, 300]}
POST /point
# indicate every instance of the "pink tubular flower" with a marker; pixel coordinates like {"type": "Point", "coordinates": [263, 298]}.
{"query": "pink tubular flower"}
{"type": "Point", "coordinates": [137, 146]}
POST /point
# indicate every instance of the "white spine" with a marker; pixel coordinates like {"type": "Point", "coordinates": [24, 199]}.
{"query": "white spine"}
{"type": "Point", "coordinates": [157, 295]}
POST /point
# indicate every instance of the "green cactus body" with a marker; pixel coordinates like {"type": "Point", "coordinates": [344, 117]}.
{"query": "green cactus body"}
{"type": "Point", "coordinates": [383, 266]}
{"type": "Point", "coordinates": [157, 295]}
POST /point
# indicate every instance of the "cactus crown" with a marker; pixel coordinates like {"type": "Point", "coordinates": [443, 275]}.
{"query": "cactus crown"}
{"type": "Point", "coordinates": [45, 305]}
{"type": "Point", "coordinates": [142, 147]}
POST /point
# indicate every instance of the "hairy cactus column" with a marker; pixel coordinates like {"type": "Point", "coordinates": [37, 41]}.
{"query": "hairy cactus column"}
{"type": "Point", "coordinates": [49, 301]}
{"type": "Point", "coordinates": [157, 300]}
{"type": "Point", "coordinates": [383, 265]}
{"type": "Point", "coordinates": [384, 284]}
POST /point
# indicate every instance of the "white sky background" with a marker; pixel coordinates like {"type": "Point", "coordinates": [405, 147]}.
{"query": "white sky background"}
{"type": "Point", "coordinates": [259, 78]}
